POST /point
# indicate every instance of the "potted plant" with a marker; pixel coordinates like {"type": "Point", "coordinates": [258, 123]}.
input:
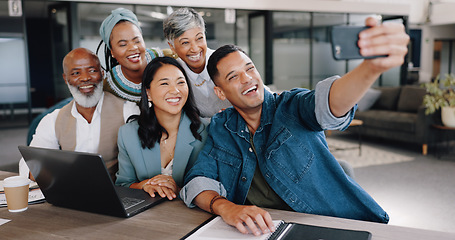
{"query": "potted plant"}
{"type": "Point", "coordinates": [441, 95]}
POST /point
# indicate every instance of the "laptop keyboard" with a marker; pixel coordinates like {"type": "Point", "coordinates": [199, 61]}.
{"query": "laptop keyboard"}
{"type": "Point", "coordinates": [131, 202]}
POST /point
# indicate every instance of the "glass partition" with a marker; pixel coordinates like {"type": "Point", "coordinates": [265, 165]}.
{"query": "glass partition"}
{"type": "Point", "coordinates": [242, 30]}
{"type": "Point", "coordinates": [61, 44]}
{"type": "Point", "coordinates": [13, 82]}
{"type": "Point", "coordinates": [13, 59]}
{"type": "Point", "coordinates": [324, 65]}
{"type": "Point", "coordinates": [291, 50]}
{"type": "Point", "coordinates": [257, 43]}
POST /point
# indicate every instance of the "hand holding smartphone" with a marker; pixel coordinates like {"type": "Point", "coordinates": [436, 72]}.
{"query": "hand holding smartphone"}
{"type": "Point", "coordinates": [344, 43]}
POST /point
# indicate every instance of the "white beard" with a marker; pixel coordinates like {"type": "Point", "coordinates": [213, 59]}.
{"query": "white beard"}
{"type": "Point", "coordinates": [84, 100]}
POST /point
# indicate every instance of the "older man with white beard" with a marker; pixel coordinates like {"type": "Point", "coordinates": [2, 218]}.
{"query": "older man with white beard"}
{"type": "Point", "coordinates": [90, 122]}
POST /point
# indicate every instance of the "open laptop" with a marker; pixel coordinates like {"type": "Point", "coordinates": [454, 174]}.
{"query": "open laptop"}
{"type": "Point", "coordinates": [81, 181]}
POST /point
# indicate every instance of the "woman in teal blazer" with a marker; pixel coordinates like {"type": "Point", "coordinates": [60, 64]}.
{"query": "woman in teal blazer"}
{"type": "Point", "coordinates": [160, 145]}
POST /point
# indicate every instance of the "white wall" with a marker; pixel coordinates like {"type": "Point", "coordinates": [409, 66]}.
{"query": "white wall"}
{"type": "Point", "coordinates": [443, 13]}
{"type": "Point", "coordinates": [395, 7]}
{"type": "Point", "coordinates": [417, 8]}
{"type": "Point", "coordinates": [429, 34]}
{"type": "Point", "coordinates": [296, 70]}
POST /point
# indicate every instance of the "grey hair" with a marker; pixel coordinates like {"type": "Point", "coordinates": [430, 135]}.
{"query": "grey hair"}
{"type": "Point", "coordinates": [180, 21]}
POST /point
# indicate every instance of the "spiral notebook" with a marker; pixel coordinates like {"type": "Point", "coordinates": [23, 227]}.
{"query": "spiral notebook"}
{"type": "Point", "coordinates": [216, 229]}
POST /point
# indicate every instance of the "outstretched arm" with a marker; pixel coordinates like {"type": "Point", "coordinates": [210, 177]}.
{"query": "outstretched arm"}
{"type": "Point", "coordinates": [235, 215]}
{"type": "Point", "coordinates": [386, 39]}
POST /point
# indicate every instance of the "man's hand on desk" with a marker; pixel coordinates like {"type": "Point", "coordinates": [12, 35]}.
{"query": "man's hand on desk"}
{"type": "Point", "coordinates": [257, 219]}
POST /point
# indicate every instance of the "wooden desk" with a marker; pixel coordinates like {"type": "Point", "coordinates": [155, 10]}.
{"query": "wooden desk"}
{"type": "Point", "coordinates": [168, 220]}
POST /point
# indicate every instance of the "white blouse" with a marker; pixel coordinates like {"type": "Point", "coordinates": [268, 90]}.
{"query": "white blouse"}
{"type": "Point", "coordinates": [168, 169]}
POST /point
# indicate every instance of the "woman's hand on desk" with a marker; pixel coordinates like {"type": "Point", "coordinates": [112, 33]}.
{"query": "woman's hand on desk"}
{"type": "Point", "coordinates": [163, 185]}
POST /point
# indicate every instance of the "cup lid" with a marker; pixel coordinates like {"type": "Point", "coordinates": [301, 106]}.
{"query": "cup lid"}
{"type": "Point", "coordinates": [15, 181]}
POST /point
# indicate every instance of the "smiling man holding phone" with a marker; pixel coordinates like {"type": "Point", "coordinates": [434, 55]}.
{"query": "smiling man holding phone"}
{"type": "Point", "coordinates": [269, 150]}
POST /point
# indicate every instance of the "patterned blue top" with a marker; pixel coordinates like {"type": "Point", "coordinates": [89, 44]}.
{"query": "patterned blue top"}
{"type": "Point", "coordinates": [117, 84]}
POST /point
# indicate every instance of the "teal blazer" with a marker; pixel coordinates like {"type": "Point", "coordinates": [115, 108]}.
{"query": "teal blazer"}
{"type": "Point", "coordinates": [137, 164]}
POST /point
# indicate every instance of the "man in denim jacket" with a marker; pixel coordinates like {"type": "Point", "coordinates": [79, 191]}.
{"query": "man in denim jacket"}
{"type": "Point", "coordinates": [270, 150]}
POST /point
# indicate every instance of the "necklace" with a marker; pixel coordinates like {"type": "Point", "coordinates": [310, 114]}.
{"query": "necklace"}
{"type": "Point", "coordinates": [165, 140]}
{"type": "Point", "coordinates": [200, 84]}
{"type": "Point", "coordinates": [166, 148]}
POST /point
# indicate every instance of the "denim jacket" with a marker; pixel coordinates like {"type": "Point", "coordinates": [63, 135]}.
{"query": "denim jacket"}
{"type": "Point", "coordinates": [293, 157]}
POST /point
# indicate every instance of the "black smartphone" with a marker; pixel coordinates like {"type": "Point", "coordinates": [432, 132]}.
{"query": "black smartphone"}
{"type": "Point", "coordinates": [344, 42]}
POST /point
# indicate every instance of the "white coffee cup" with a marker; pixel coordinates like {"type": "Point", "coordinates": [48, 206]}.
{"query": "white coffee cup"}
{"type": "Point", "coordinates": [16, 192]}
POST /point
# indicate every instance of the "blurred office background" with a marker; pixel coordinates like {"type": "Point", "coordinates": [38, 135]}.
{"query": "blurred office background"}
{"type": "Point", "coordinates": [288, 41]}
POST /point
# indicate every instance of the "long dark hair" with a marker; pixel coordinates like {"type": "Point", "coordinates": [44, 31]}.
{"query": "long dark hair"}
{"type": "Point", "coordinates": [150, 130]}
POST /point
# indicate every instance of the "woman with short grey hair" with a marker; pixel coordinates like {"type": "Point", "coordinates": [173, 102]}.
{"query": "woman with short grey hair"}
{"type": "Point", "coordinates": [180, 21]}
{"type": "Point", "coordinates": [184, 30]}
